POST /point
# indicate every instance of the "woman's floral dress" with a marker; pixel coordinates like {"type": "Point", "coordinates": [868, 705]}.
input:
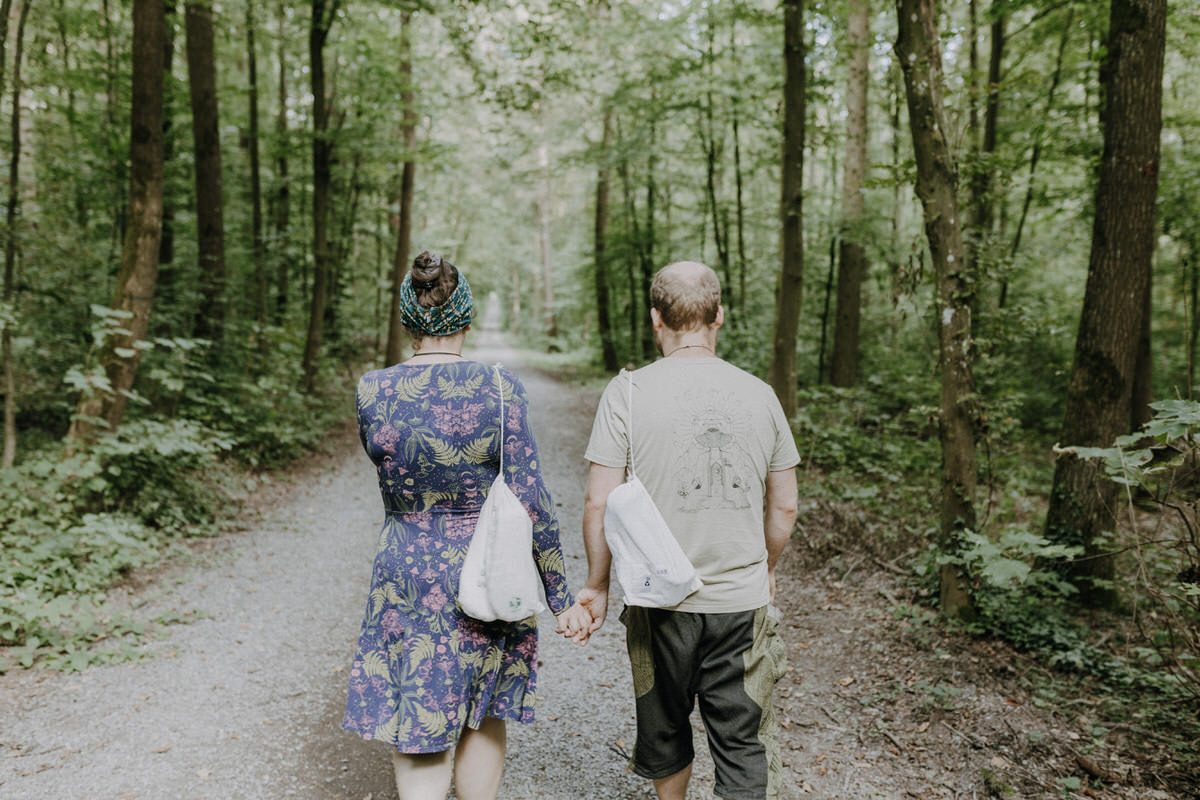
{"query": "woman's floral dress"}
{"type": "Point", "coordinates": [423, 669]}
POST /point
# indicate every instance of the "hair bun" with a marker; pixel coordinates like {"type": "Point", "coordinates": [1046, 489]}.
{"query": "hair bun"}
{"type": "Point", "coordinates": [427, 270]}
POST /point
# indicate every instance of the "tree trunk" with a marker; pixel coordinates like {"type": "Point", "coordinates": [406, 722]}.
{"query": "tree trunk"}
{"type": "Point", "coordinates": [1143, 374]}
{"type": "Point", "coordinates": [600, 237]}
{"type": "Point", "coordinates": [543, 226]}
{"type": "Point", "coordinates": [166, 247]}
{"type": "Point", "coordinates": [408, 133]}
{"type": "Point", "coordinates": [117, 164]}
{"type": "Point", "coordinates": [282, 192]}
{"type": "Point", "coordinates": [10, 251]}
{"type": "Point", "coordinates": [735, 115]}
{"type": "Point", "coordinates": [139, 261]}
{"type": "Point", "coordinates": [206, 143]}
{"type": "Point", "coordinates": [1191, 266]}
{"type": "Point", "coordinates": [262, 284]}
{"type": "Point", "coordinates": [791, 277]}
{"type": "Point", "coordinates": [852, 261]}
{"type": "Point", "coordinates": [638, 305]}
{"type": "Point", "coordinates": [920, 58]}
{"type": "Point", "coordinates": [983, 169]}
{"type": "Point", "coordinates": [833, 252]}
{"type": "Point", "coordinates": [648, 244]}
{"type": "Point", "coordinates": [324, 12]}
{"type": "Point", "coordinates": [1100, 394]}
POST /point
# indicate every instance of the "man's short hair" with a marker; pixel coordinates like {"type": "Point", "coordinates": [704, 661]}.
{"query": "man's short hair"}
{"type": "Point", "coordinates": [686, 294]}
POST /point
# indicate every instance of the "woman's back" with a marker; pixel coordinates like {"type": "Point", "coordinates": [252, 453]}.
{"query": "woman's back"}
{"type": "Point", "coordinates": [433, 432]}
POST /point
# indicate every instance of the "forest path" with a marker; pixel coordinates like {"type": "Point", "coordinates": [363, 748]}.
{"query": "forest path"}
{"type": "Point", "coordinates": [245, 701]}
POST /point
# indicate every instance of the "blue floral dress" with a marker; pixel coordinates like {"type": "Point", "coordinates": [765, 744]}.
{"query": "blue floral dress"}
{"type": "Point", "coordinates": [423, 669]}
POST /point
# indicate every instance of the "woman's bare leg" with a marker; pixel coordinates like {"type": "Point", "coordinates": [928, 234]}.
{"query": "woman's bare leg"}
{"type": "Point", "coordinates": [424, 776]}
{"type": "Point", "coordinates": [479, 761]}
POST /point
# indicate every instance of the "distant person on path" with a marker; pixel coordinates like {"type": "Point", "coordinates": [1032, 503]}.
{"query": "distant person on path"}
{"type": "Point", "coordinates": [717, 456]}
{"type": "Point", "coordinates": [434, 684]}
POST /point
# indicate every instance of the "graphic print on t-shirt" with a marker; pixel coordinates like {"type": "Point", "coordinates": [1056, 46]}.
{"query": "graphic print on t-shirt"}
{"type": "Point", "coordinates": [713, 469]}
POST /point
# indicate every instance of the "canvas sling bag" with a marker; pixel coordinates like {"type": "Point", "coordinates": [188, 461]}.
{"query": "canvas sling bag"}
{"type": "Point", "coordinates": [500, 580]}
{"type": "Point", "coordinates": [647, 559]}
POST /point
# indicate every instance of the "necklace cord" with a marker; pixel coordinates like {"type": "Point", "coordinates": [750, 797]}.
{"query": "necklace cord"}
{"type": "Point", "coordinates": [686, 346]}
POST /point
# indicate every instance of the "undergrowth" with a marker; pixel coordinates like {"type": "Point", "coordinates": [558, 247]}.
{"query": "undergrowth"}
{"type": "Point", "coordinates": [73, 525]}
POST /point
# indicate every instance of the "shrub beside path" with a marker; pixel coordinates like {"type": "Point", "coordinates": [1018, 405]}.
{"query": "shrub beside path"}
{"type": "Point", "coordinates": [245, 700]}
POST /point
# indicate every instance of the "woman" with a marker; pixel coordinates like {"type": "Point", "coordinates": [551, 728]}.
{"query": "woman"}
{"type": "Point", "coordinates": [433, 683]}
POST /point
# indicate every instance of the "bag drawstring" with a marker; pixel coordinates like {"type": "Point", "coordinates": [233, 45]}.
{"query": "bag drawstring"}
{"type": "Point", "coordinates": [632, 468]}
{"type": "Point", "coordinates": [500, 393]}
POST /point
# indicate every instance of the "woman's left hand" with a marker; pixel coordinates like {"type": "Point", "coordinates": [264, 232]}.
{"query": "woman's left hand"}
{"type": "Point", "coordinates": [575, 624]}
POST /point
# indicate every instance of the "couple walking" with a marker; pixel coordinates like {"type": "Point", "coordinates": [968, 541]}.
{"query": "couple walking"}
{"type": "Point", "coordinates": [716, 455]}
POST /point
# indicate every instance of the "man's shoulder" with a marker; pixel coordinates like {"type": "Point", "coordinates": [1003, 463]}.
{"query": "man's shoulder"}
{"type": "Point", "coordinates": [711, 370]}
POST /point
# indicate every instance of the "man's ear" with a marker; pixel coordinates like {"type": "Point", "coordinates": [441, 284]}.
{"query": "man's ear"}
{"type": "Point", "coordinates": [656, 320]}
{"type": "Point", "coordinates": [720, 320]}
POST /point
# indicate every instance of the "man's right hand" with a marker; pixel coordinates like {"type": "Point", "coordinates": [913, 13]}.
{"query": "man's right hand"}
{"type": "Point", "coordinates": [595, 601]}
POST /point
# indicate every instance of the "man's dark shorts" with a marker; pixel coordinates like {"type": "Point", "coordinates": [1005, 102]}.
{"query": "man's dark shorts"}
{"type": "Point", "coordinates": [730, 662]}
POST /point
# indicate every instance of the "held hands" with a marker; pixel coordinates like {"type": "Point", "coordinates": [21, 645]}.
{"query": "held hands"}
{"type": "Point", "coordinates": [584, 618]}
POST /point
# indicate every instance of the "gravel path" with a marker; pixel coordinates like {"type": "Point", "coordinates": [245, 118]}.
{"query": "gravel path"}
{"type": "Point", "coordinates": [246, 701]}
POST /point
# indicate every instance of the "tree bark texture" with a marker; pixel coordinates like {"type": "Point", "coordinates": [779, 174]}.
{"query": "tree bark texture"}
{"type": "Point", "coordinates": [323, 15]}
{"type": "Point", "coordinates": [1100, 393]}
{"type": "Point", "coordinates": [984, 171]}
{"type": "Point", "coordinates": [1036, 152]}
{"type": "Point", "coordinates": [408, 177]}
{"type": "Point", "coordinates": [791, 277]}
{"type": "Point", "coordinates": [258, 251]}
{"type": "Point", "coordinates": [542, 209]}
{"type": "Point", "coordinates": [206, 143]}
{"type": "Point", "coordinates": [282, 210]}
{"type": "Point", "coordinates": [10, 250]}
{"type": "Point", "coordinates": [139, 261]}
{"type": "Point", "coordinates": [166, 246]}
{"type": "Point", "coordinates": [852, 256]}
{"type": "Point", "coordinates": [920, 58]}
{"type": "Point", "coordinates": [600, 236]}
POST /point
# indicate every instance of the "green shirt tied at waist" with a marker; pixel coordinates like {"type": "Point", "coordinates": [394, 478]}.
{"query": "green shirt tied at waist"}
{"type": "Point", "coordinates": [707, 434]}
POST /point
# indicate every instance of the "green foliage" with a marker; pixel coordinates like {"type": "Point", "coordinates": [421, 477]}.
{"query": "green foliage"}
{"type": "Point", "coordinates": [72, 525]}
{"type": "Point", "coordinates": [1161, 464]}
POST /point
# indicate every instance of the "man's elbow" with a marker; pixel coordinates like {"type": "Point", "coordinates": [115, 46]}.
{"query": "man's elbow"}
{"type": "Point", "coordinates": [786, 505]}
{"type": "Point", "coordinates": [594, 502]}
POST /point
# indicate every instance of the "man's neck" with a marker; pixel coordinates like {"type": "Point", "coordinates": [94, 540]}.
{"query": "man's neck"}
{"type": "Point", "coordinates": [693, 344]}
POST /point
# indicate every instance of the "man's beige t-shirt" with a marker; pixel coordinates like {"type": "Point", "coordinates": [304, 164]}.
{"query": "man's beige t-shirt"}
{"type": "Point", "coordinates": [705, 435]}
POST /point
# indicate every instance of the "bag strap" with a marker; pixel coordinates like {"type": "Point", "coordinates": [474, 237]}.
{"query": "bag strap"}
{"type": "Point", "coordinates": [500, 393]}
{"type": "Point", "coordinates": [632, 468]}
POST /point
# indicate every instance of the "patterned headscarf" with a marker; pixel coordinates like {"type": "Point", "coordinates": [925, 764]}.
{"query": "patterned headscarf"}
{"type": "Point", "coordinates": [445, 320]}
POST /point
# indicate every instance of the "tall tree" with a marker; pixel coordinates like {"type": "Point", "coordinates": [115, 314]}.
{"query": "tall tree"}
{"type": "Point", "coordinates": [10, 251]}
{"type": "Point", "coordinates": [139, 261]}
{"type": "Point", "coordinates": [257, 249]}
{"type": "Point", "coordinates": [206, 144]}
{"type": "Point", "coordinates": [919, 54]}
{"type": "Point", "coordinates": [542, 209]}
{"type": "Point", "coordinates": [166, 247]}
{"type": "Point", "coordinates": [280, 217]}
{"type": "Point", "coordinates": [983, 174]}
{"type": "Point", "coordinates": [791, 276]}
{"type": "Point", "coordinates": [600, 237]}
{"type": "Point", "coordinates": [1100, 393]}
{"type": "Point", "coordinates": [408, 178]}
{"type": "Point", "coordinates": [852, 256]}
{"type": "Point", "coordinates": [324, 13]}
{"type": "Point", "coordinates": [1035, 154]}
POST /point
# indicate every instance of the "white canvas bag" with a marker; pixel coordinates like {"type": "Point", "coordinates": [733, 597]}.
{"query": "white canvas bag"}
{"type": "Point", "coordinates": [500, 580]}
{"type": "Point", "coordinates": [650, 565]}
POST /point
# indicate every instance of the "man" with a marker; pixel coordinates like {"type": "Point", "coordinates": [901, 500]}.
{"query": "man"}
{"type": "Point", "coordinates": [717, 456]}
